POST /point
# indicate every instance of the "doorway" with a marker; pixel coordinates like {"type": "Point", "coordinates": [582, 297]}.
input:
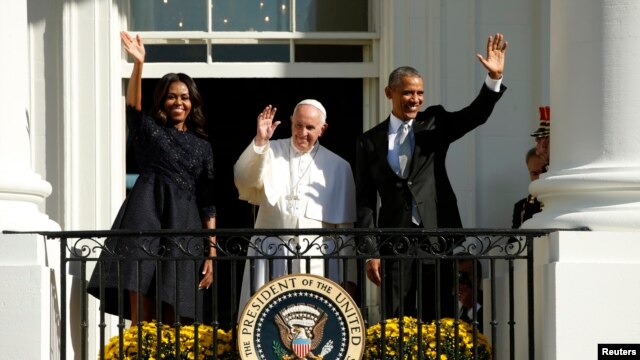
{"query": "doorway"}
{"type": "Point", "coordinates": [232, 106]}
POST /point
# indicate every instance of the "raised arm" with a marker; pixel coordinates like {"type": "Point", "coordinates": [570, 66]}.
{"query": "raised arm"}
{"type": "Point", "coordinates": [496, 50]}
{"type": "Point", "coordinates": [135, 48]}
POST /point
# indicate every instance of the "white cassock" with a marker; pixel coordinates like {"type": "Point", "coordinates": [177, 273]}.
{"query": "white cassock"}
{"type": "Point", "coordinates": [295, 191]}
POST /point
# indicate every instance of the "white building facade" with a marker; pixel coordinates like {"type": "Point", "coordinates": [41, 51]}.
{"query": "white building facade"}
{"type": "Point", "coordinates": [64, 163]}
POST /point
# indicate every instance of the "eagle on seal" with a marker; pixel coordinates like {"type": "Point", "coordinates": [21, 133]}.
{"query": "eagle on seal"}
{"type": "Point", "coordinates": [301, 327]}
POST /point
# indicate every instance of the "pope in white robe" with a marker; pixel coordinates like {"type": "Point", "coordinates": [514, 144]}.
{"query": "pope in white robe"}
{"type": "Point", "coordinates": [298, 184]}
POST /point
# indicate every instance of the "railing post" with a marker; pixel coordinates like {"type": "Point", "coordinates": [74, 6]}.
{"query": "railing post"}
{"type": "Point", "coordinates": [63, 298]}
{"type": "Point", "coordinates": [512, 321]}
{"type": "Point", "coordinates": [493, 322]}
{"type": "Point", "coordinates": [84, 312]}
{"type": "Point", "coordinates": [530, 298]}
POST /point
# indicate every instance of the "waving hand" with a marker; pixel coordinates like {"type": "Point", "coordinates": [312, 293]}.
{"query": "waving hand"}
{"type": "Point", "coordinates": [266, 126]}
{"type": "Point", "coordinates": [134, 47]}
{"type": "Point", "coordinates": [496, 50]}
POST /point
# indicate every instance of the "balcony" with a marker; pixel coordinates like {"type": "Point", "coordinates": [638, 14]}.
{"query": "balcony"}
{"type": "Point", "coordinates": [501, 260]}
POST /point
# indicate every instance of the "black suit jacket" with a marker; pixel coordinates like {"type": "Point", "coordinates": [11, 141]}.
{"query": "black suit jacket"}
{"type": "Point", "coordinates": [524, 210]}
{"type": "Point", "coordinates": [434, 129]}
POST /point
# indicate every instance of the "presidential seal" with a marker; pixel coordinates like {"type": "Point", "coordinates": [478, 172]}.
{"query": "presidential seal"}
{"type": "Point", "coordinates": [302, 316]}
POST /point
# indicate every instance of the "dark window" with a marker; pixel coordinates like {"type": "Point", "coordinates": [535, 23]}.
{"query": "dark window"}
{"type": "Point", "coordinates": [250, 53]}
{"type": "Point", "coordinates": [176, 53]}
{"type": "Point", "coordinates": [328, 53]}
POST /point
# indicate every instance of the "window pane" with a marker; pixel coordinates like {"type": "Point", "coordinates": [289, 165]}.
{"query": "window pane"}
{"type": "Point", "coordinates": [332, 15]}
{"type": "Point", "coordinates": [250, 15]}
{"type": "Point", "coordinates": [250, 53]}
{"type": "Point", "coordinates": [328, 53]}
{"type": "Point", "coordinates": [167, 15]}
{"type": "Point", "coordinates": [175, 53]}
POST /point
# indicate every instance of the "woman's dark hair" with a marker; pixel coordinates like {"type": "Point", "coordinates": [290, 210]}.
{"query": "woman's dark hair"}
{"type": "Point", "coordinates": [195, 120]}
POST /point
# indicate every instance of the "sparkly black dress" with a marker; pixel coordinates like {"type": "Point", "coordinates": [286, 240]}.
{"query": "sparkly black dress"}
{"type": "Point", "coordinates": [174, 191]}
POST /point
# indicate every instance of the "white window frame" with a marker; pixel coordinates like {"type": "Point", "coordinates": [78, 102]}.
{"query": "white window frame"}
{"type": "Point", "coordinates": [369, 68]}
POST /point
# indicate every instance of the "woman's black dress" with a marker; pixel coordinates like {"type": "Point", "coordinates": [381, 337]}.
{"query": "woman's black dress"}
{"type": "Point", "coordinates": [174, 191]}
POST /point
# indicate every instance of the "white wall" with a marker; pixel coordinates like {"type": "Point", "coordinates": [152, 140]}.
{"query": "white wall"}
{"type": "Point", "coordinates": [503, 142]}
{"type": "Point", "coordinates": [587, 273]}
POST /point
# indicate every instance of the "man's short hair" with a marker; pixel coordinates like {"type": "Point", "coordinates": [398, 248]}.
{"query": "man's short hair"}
{"type": "Point", "coordinates": [396, 76]}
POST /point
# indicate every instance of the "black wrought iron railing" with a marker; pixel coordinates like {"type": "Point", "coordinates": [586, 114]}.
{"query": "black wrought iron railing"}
{"type": "Point", "coordinates": [274, 252]}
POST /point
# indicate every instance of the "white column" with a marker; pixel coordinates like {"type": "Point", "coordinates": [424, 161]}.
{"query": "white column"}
{"type": "Point", "coordinates": [594, 179]}
{"type": "Point", "coordinates": [29, 297]}
{"type": "Point", "coordinates": [21, 189]}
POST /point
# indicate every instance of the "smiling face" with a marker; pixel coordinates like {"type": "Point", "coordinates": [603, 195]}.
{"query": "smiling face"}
{"type": "Point", "coordinates": [306, 127]}
{"type": "Point", "coordinates": [406, 97]}
{"type": "Point", "coordinates": [177, 103]}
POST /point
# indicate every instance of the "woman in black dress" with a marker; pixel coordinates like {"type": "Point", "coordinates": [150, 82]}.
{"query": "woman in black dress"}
{"type": "Point", "coordinates": [173, 191]}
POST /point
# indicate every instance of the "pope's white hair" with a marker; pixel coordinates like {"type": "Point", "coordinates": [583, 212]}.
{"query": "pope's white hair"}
{"type": "Point", "coordinates": [316, 104]}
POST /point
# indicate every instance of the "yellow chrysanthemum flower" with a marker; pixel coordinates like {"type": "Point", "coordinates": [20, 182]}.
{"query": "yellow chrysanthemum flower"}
{"type": "Point", "coordinates": [447, 339]}
{"type": "Point", "coordinates": [168, 336]}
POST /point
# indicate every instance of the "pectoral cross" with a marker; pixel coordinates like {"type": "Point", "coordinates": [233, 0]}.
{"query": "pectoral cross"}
{"type": "Point", "coordinates": [291, 202]}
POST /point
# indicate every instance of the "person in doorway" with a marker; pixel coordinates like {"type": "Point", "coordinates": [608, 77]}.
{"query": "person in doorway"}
{"type": "Point", "coordinates": [174, 191]}
{"type": "Point", "coordinates": [466, 302]}
{"type": "Point", "coordinates": [525, 208]}
{"type": "Point", "coordinates": [403, 161]}
{"type": "Point", "coordinates": [297, 183]}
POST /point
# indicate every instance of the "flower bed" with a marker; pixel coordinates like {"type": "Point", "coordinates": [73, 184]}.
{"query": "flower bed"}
{"type": "Point", "coordinates": [448, 344]}
{"type": "Point", "coordinates": [167, 344]}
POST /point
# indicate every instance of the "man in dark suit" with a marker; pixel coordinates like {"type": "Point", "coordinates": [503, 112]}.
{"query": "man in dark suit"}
{"type": "Point", "coordinates": [467, 308]}
{"type": "Point", "coordinates": [413, 185]}
{"type": "Point", "coordinates": [524, 209]}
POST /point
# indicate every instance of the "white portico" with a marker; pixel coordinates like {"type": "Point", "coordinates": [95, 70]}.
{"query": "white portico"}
{"type": "Point", "coordinates": [63, 73]}
{"type": "Point", "coordinates": [591, 279]}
